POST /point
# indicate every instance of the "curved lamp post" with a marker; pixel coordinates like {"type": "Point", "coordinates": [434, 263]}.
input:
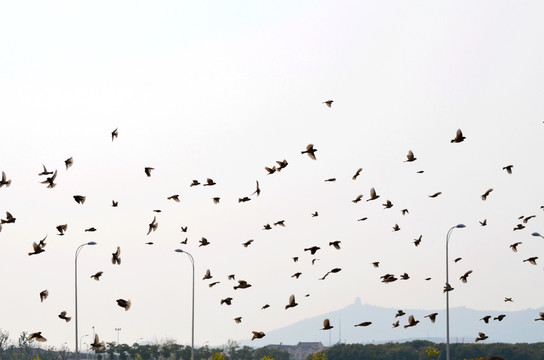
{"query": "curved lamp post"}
{"type": "Point", "coordinates": [78, 250]}
{"type": "Point", "coordinates": [193, 304]}
{"type": "Point", "coordinates": [537, 234]}
{"type": "Point", "coordinates": [460, 226]}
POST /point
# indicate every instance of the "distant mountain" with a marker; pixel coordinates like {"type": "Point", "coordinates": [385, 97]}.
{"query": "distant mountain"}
{"type": "Point", "coordinates": [465, 323]}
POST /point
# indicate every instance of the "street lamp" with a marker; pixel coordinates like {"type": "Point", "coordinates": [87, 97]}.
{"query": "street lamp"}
{"type": "Point", "coordinates": [117, 329]}
{"type": "Point", "coordinates": [81, 339]}
{"type": "Point", "coordinates": [537, 234]}
{"type": "Point", "coordinates": [460, 226]}
{"type": "Point", "coordinates": [193, 305]}
{"type": "Point", "coordinates": [78, 250]}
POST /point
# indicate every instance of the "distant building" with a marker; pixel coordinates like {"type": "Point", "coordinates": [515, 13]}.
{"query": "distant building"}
{"type": "Point", "coordinates": [301, 350]}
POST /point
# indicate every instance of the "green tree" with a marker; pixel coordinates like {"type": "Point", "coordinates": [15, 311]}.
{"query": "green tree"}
{"type": "Point", "coordinates": [320, 355]}
{"type": "Point", "coordinates": [219, 356]}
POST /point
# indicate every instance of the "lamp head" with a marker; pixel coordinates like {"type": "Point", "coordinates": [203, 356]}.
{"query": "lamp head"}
{"type": "Point", "coordinates": [179, 250]}
{"type": "Point", "coordinates": [91, 243]}
{"type": "Point", "coordinates": [536, 234]}
{"type": "Point", "coordinates": [460, 226]}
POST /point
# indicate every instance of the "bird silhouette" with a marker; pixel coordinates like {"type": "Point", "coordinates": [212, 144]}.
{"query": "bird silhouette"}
{"type": "Point", "coordinates": [399, 313]}
{"type": "Point", "coordinates": [173, 197]}
{"type": "Point", "coordinates": [257, 335]}
{"type": "Point", "coordinates": [481, 337]}
{"type": "Point", "coordinates": [432, 317]}
{"type": "Point", "coordinates": [447, 287]}
{"type": "Point", "coordinates": [364, 323]}
{"type": "Point", "coordinates": [97, 275]}
{"type": "Point", "coordinates": [114, 203]}
{"type": "Point", "coordinates": [270, 170]}
{"type": "Point", "coordinates": [37, 249]}
{"type": "Point", "coordinates": [508, 168]}
{"type": "Point", "coordinates": [257, 190]}
{"type": "Point", "coordinates": [458, 137]}
{"type": "Point", "coordinates": [327, 325]}
{"type": "Point", "coordinates": [97, 345]}
{"type": "Point", "coordinates": [310, 151]}
{"type": "Point", "coordinates": [114, 134]}
{"type": "Point", "coordinates": [388, 204]}
{"type": "Point", "coordinates": [207, 275]}
{"type": "Point", "coordinates": [373, 195]}
{"type": "Point", "coordinates": [265, 306]}
{"type": "Point", "coordinates": [247, 243]}
{"type": "Point", "coordinates": [50, 181]}
{"type": "Point", "coordinates": [328, 103]}
{"type": "Point", "coordinates": [336, 244]}
{"type": "Point", "coordinates": [486, 319]}
{"type": "Point", "coordinates": [194, 183]}
{"type": "Point", "coordinates": [515, 245]}
{"type": "Point", "coordinates": [410, 157]}
{"type": "Point", "coordinates": [148, 170]}
{"type": "Point", "coordinates": [418, 240]}
{"type": "Point", "coordinates": [531, 260]}
{"type": "Point", "coordinates": [36, 336]}
{"type": "Point", "coordinates": [411, 322]}
{"type": "Point", "coordinates": [483, 223]}
{"type": "Point", "coordinates": [292, 302]}
{"type": "Point", "coordinates": [213, 283]}
{"type": "Point", "coordinates": [486, 194]}
{"type": "Point", "coordinates": [541, 318]}
{"type": "Point", "coordinates": [62, 229]}
{"type": "Point", "coordinates": [242, 284]}
{"type": "Point", "coordinates": [315, 214]}
{"type": "Point", "coordinates": [357, 173]}
{"type": "Point", "coordinates": [312, 249]}
{"type": "Point", "coordinates": [63, 316]}
{"type": "Point", "coordinates": [4, 181]}
{"type": "Point", "coordinates": [203, 242]}
{"type": "Point", "coordinates": [435, 194]}
{"type": "Point", "coordinates": [238, 319]}
{"type": "Point", "coordinates": [227, 301]}
{"type": "Point", "coordinates": [499, 317]}
{"type": "Point", "coordinates": [124, 303]}
{"type": "Point", "coordinates": [153, 225]}
{"type": "Point", "coordinates": [209, 182]}
{"type": "Point", "coordinates": [281, 164]}
{"type": "Point", "coordinates": [44, 172]}
{"type": "Point", "coordinates": [357, 199]}
{"type": "Point", "coordinates": [464, 278]}
{"type": "Point", "coordinates": [216, 200]}
{"type": "Point", "coordinates": [69, 162]}
{"type": "Point", "coordinates": [43, 295]}
{"type": "Point", "coordinates": [296, 275]}
{"type": "Point", "coordinates": [116, 256]}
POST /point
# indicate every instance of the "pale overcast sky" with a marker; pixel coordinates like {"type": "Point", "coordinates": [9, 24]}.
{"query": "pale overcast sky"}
{"type": "Point", "coordinates": [221, 90]}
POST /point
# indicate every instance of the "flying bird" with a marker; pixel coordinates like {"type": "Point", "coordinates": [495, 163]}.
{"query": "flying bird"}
{"type": "Point", "coordinates": [203, 242]}
{"type": "Point", "coordinates": [508, 169]}
{"type": "Point", "coordinates": [242, 284]}
{"type": "Point", "coordinates": [388, 204]}
{"type": "Point", "coordinates": [124, 303]}
{"type": "Point", "coordinates": [292, 302]}
{"type": "Point", "coordinates": [432, 317]}
{"type": "Point", "coordinates": [97, 275]}
{"type": "Point", "coordinates": [282, 164]}
{"type": "Point", "coordinates": [50, 181]}
{"type": "Point", "coordinates": [396, 227]}
{"type": "Point", "coordinates": [364, 323]}
{"type": "Point", "coordinates": [296, 275]}
{"type": "Point", "coordinates": [238, 319]}
{"type": "Point", "coordinates": [499, 317]}
{"type": "Point", "coordinates": [328, 103]}
{"type": "Point", "coordinates": [97, 345]}
{"type": "Point", "coordinates": [216, 200]}
{"type": "Point", "coordinates": [36, 336]}
{"type": "Point", "coordinates": [227, 301]}
{"type": "Point", "coordinates": [114, 134]}
{"type": "Point", "coordinates": [418, 240]}
{"type": "Point", "coordinates": [37, 249]}
{"type": "Point", "coordinates": [336, 244]}
{"type": "Point", "coordinates": [214, 283]}
{"type": "Point", "coordinates": [147, 171]}
{"type": "Point", "coordinates": [114, 203]}
{"type": "Point", "coordinates": [153, 225]}
{"type": "Point", "coordinates": [327, 325]}
{"type": "Point", "coordinates": [207, 275]}
{"type": "Point", "coordinates": [310, 151]}
{"type": "Point", "coordinates": [173, 197]}
{"type": "Point", "coordinates": [209, 182]}
{"type": "Point", "coordinates": [357, 199]}
{"type": "Point", "coordinates": [400, 313]}
{"type": "Point", "coordinates": [483, 223]}
{"type": "Point", "coordinates": [312, 249]}
{"type": "Point", "coordinates": [194, 183]}
{"type": "Point", "coordinates": [44, 172]}
{"type": "Point", "coordinates": [410, 157]}
{"type": "Point", "coordinates": [247, 243]}
{"type": "Point", "coordinates": [257, 190]}
{"type": "Point", "coordinates": [373, 195]}
{"type": "Point", "coordinates": [315, 214]}
{"type": "Point", "coordinates": [531, 260]}
{"type": "Point", "coordinates": [464, 278]}
{"type": "Point", "coordinates": [541, 314]}
{"type": "Point", "coordinates": [486, 319]}
{"type": "Point", "coordinates": [270, 170]}
{"type": "Point", "coordinates": [411, 322]}
{"type": "Point", "coordinates": [257, 335]}
{"type": "Point", "coordinates": [447, 287]}
{"type": "Point", "coordinates": [80, 199]}
{"type": "Point", "coordinates": [435, 194]}
{"type": "Point", "coordinates": [63, 316]}
{"type": "Point", "coordinates": [514, 246]}
{"type": "Point", "coordinates": [4, 180]}
{"type": "Point", "coordinates": [43, 295]}
{"type": "Point", "coordinates": [62, 229]}
{"type": "Point", "coordinates": [486, 194]}
{"type": "Point", "coordinates": [68, 162]}
{"type": "Point", "coordinates": [357, 173]}
{"type": "Point", "coordinates": [458, 137]}
{"type": "Point", "coordinates": [116, 256]}
{"type": "Point", "coordinates": [481, 337]}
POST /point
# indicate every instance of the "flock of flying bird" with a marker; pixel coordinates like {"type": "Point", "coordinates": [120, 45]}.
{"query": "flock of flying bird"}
{"type": "Point", "coordinates": [310, 150]}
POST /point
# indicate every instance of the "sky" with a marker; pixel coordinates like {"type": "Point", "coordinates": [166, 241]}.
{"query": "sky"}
{"type": "Point", "coordinates": [203, 90]}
